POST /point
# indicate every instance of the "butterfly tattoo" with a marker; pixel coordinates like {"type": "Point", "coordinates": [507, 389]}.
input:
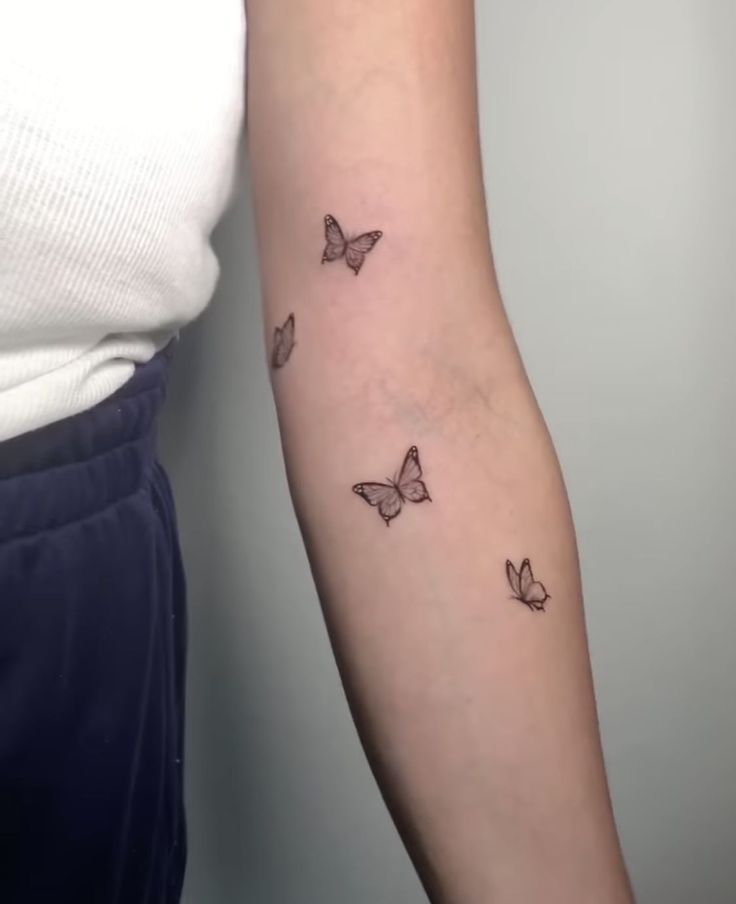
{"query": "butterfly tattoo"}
{"type": "Point", "coordinates": [526, 590]}
{"type": "Point", "coordinates": [406, 486]}
{"type": "Point", "coordinates": [353, 250]}
{"type": "Point", "coordinates": [283, 343]}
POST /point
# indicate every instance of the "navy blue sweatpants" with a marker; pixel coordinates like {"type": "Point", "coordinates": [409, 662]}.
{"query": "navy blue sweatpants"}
{"type": "Point", "coordinates": [92, 644]}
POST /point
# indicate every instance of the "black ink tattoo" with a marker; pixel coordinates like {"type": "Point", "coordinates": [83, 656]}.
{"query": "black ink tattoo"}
{"type": "Point", "coordinates": [526, 590]}
{"type": "Point", "coordinates": [283, 343]}
{"type": "Point", "coordinates": [407, 486]}
{"type": "Point", "coordinates": [353, 250]}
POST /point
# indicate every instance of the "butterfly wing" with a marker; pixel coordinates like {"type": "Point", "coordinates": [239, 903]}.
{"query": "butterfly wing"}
{"type": "Point", "coordinates": [283, 342]}
{"type": "Point", "coordinates": [409, 481]}
{"type": "Point", "coordinates": [532, 591]}
{"type": "Point", "coordinates": [357, 249]}
{"type": "Point", "coordinates": [336, 244]}
{"type": "Point", "coordinates": [276, 356]}
{"type": "Point", "coordinates": [382, 496]}
{"type": "Point", "coordinates": [513, 578]}
{"type": "Point", "coordinates": [537, 595]}
{"type": "Point", "coordinates": [411, 468]}
{"type": "Point", "coordinates": [287, 332]}
{"type": "Point", "coordinates": [526, 578]}
{"type": "Point", "coordinates": [364, 243]}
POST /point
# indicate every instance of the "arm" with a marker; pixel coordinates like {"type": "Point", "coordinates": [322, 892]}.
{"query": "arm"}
{"type": "Point", "coordinates": [475, 709]}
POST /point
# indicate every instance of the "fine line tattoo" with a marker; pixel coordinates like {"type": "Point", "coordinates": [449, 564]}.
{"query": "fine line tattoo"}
{"type": "Point", "coordinates": [406, 486]}
{"type": "Point", "coordinates": [339, 245]}
{"type": "Point", "coordinates": [283, 343]}
{"type": "Point", "coordinates": [526, 590]}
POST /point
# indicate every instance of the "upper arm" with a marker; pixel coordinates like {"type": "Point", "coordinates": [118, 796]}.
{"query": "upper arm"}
{"type": "Point", "coordinates": [367, 112]}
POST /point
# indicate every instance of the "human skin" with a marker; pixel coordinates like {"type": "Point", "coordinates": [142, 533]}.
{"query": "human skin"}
{"type": "Point", "coordinates": [476, 711]}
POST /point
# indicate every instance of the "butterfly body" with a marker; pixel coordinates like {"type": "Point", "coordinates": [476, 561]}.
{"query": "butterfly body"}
{"type": "Point", "coordinates": [526, 590]}
{"type": "Point", "coordinates": [406, 486]}
{"type": "Point", "coordinates": [354, 249]}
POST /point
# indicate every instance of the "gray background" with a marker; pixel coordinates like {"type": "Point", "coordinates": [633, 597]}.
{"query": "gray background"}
{"type": "Point", "coordinates": [609, 140]}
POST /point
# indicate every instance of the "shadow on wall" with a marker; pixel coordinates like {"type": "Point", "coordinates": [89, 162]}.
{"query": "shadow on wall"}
{"type": "Point", "coordinates": [282, 806]}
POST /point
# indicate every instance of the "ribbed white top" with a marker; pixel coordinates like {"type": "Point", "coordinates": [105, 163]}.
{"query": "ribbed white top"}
{"type": "Point", "coordinates": [119, 127]}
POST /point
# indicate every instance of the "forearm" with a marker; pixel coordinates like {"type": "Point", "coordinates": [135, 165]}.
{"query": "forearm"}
{"type": "Point", "coordinates": [475, 708]}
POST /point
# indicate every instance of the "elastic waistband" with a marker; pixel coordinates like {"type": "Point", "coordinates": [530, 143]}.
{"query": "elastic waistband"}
{"type": "Point", "coordinates": [73, 468]}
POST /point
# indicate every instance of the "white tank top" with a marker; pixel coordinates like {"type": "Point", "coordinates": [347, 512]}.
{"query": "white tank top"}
{"type": "Point", "coordinates": [119, 128]}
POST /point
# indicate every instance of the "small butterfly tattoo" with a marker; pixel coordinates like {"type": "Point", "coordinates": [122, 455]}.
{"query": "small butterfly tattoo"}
{"type": "Point", "coordinates": [353, 250]}
{"type": "Point", "coordinates": [526, 590]}
{"type": "Point", "coordinates": [406, 486]}
{"type": "Point", "coordinates": [283, 343]}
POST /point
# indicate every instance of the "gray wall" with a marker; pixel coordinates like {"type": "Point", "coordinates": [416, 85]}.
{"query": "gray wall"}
{"type": "Point", "coordinates": [609, 143]}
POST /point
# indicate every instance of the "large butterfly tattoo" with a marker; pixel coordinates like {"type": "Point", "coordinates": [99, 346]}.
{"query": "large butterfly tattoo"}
{"type": "Point", "coordinates": [353, 250]}
{"type": "Point", "coordinates": [283, 343]}
{"type": "Point", "coordinates": [526, 590]}
{"type": "Point", "coordinates": [406, 486]}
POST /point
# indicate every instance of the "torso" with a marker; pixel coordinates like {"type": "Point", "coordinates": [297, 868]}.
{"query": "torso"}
{"type": "Point", "coordinates": [119, 127]}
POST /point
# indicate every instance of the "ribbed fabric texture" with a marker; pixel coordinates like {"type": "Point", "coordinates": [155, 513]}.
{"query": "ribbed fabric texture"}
{"type": "Point", "coordinates": [119, 127]}
{"type": "Point", "coordinates": [92, 658]}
